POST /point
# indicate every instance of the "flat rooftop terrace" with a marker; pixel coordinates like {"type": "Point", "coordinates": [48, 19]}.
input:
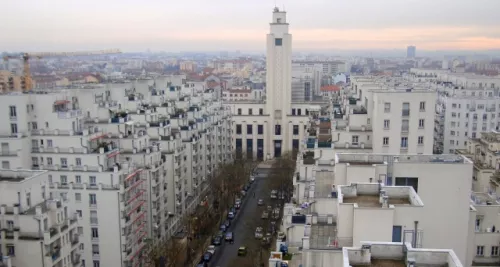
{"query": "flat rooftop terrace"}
{"type": "Point", "coordinates": [368, 159]}
{"type": "Point", "coordinates": [323, 184]}
{"type": "Point", "coordinates": [383, 263]}
{"type": "Point", "coordinates": [372, 201]}
{"type": "Point", "coordinates": [16, 176]}
{"type": "Point", "coordinates": [322, 236]}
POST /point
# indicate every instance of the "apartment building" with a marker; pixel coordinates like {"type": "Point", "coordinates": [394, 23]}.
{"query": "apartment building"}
{"type": "Point", "coordinates": [467, 105]}
{"type": "Point", "coordinates": [267, 129]}
{"type": "Point", "coordinates": [306, 82]}
{"type": "Point", "coordinates": [39, 227]}
{"type": "Point", "coordinates": [136, 158]}
{"type": "Point", "coordinates": [484, 243]}
{"type": "Point", "coordinates": [383, 116]}
{"type": "Point", "coordinates": [338, 195]}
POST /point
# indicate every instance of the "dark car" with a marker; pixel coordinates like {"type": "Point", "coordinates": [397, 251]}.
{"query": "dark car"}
{"type": "Point", "coordinates": [202, 264]}
{"type": "Point", "coordinates": [217, 240]}
{"type": "Point", "coordinates": [223, 228]}
{"type": "Point", "coordinates": [207, 256]}
{"type": "Point", "coordinates": [237, 206]}
{"type": "Point", "coordinates": [227, 223]}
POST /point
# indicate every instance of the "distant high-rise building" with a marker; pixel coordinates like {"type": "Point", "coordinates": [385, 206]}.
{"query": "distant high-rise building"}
{"type": "Point", "coordinates": [411, 51]}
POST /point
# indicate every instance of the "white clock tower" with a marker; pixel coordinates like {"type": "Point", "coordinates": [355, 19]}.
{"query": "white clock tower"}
{"type": "Point", "coordinates": [279, 82]}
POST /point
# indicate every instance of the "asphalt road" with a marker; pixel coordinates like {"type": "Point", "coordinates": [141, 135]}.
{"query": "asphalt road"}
{"type": "Point", "coordinates": [227, 252]}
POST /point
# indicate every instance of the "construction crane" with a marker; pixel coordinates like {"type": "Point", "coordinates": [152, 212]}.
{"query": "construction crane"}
{"type": "Point", "coordinates": [28, 83]}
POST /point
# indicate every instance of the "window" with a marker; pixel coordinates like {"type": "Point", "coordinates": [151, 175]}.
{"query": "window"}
{"type": "Point", "coordinates": [420, 140]}
{"type": "Point", "coordinates": [299, 112]}
{"type": "Point", "coordinates": [92, 180]}
{"type": "Point", "coordinates": [78, 162]}
{"type": "Point", "coordinates": [92, 199]}
{"type": "Point", "coordinates": [422, 106]}
{"type": "Point", "coordinates": [250, 111]}
{"type": "Point", "coordinates": [5, 165]}
{"type": "Point", "coordinates": [407, 181]}
{"type": "Point", "coordinates": [421, 123]}
{"type": "Point", "coordinates": [49, 143]}
{"type": "Point", "coordinates": [295, 130]}
{"type": "Point", "coordinates": [13, 128]}
{"type": "Point", "coordinates": [12, 111]}
{"type": "Point", "coordinates": [78, 197]}
{"type": "Point", "coordinates": [406, 109]}
{"type": "Point", "coordinates": [405, 125]}
{"type": "Point", "coordinates": [355, 139]}
{"type": "Point", "coordinates": [11, 250]}
{"type": "Point", "coordinates": [93, 217]}
{"type": "Point", "coordinates": [78, 179]}
{"type": "Point", "coordinates": [494, 251]}
{"type": "Point", "coordinates": [387, 124]}
{"type": "Point", "coordinates": [385, 141]}
{"type": "Point", "coordinates": [294, 112]}
{"type": "Point", "coordinates": [64, 179]}
{"type": "Point", "coordinates": [278, 41]}
{"type": "Point", "coordinates": [238, 128]}
{"type": "Point", "coordinates": [404, 142]}
{"type": "Point", "coordinates": [97, 264]}
{"type": "Point", "coordinates": [34, 125]}
{"type": "Point", "coordinates": [480, 251]}
{"type": "Point", "coordinates": [260, 129]}
{"type": "Point", "coordinates": [49, 161]}
{"type": "Point", "coordinates": [95, 232]}
{"type": "Point", "coordinates": [249, 129]}
{"type": "Point", "coordinates": [387, 107]}
{"type": "Point", "coordinates": [64, 162]}
{"type": "Point", "coordinates": [80, 214]}
{"type": "Point", "coordinates": [95, 250]}
{"type": "Point", "coordinates": [239, 111]}
{"type": "Point", "coordinates": [277, 129]}
{"type": "Point", "coordinates": [261, 111]}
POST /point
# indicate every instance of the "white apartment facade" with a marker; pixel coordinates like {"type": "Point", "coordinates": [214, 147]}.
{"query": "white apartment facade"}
{"type": "Point", "coordinates": [126, 158]}
{"type": "Point", "coordinates": [377, 116]}
{"type": "Point", "coordinates": [38, 227]}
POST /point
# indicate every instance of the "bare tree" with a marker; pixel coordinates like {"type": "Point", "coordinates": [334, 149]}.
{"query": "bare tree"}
{"type": "Point", "coordinates": [281, 176]}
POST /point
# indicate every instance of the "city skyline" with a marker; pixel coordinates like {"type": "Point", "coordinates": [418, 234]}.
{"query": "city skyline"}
{"type": "Point", "coordinates": [227, 25]}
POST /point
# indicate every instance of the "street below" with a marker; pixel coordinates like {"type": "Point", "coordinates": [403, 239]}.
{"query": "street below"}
{"type": "Point", "coordinates": [242, 229]}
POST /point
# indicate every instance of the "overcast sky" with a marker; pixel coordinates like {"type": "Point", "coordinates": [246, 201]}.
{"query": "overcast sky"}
{"type": "Point", "coordinates": [204, 25]}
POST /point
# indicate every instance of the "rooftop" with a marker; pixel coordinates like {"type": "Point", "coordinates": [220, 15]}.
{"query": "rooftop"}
{"type": "Point", "coordinates": [389, 254]}
{"type": "Point", "coordinates": [323, 184]}
{"type": "Point", "coordinates": [362, 159]}
{"type": "Point", "coordinates": [372, 195]}
{"type": "Point", "coordinates": [16, 176]}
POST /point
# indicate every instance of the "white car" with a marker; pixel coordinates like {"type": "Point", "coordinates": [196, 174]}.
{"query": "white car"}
{"type": "Point", "coordinates": [211, 249]}
{"type": "Point", "coordinates": [258, 233]}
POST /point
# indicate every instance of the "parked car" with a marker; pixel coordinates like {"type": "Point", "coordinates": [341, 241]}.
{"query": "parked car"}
{"type": "Point", "coordinates": [260, 202]}
{"type": "Point", "coordinates": [265, 215]}
{"type": "Point", "coordinates": [229, 237]}
{"type": "Point", "coordinates": [243, 193]}
{"type": "Point", "coordinates": [237, 206]}
{"type": "Point", "coordinates": [258, 233]}
{"type": "Point", "coordinates": [274, 194]}
{"type": "Point", "coordinates": [230, 215]}
{"type": "Point", "coordinates": [227, 223]}
{"type": "Point", "coordinates": [223, 228]}
{"type": "Point", "coordinates": [207, 256]}
{"type": "Point", "coordinates": [252, 179]}
{"type": "Point", "coordinates": [281, 236]}
{"type": "Point", "coordinates": [202, 263]}
{"type": "Point", "coordinates": [217, 240]}
{"type": "Point", "coordinates": [242, 251]}
{"type": "Point", "coordinates": [211, 249]}
{"type": "Point", "coordinates": [238, 201]}
{"type": "Point", "coordinates": [269, 208]}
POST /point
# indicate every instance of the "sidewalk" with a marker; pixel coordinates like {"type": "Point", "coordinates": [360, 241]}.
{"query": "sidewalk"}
{"type": "Point", "coordinates": [266, 164]}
